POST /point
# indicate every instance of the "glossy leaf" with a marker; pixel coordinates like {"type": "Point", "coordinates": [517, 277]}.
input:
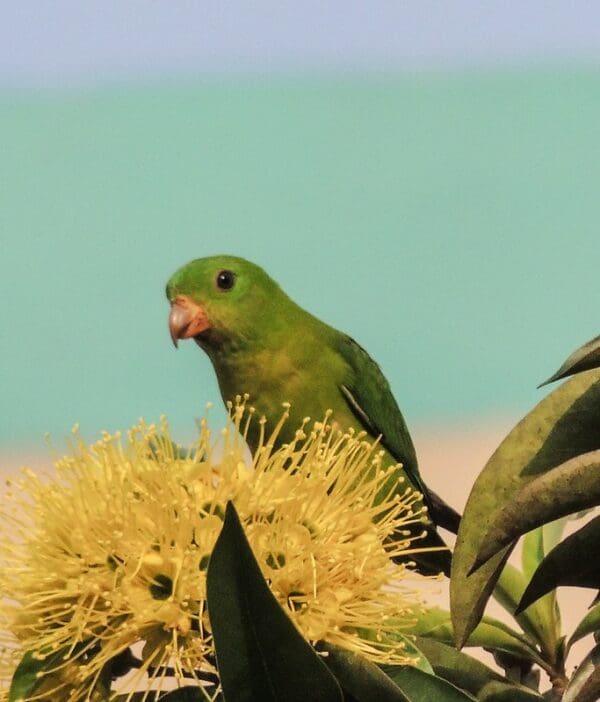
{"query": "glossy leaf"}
{"type": "Point", "coordinates": [584, 358]}
{"type": "Point", "coordinates": [540, 622]}
{"type": "Point", "coordinates": [563, 425]}
{"type": "Point", "coordinates": [568, 488]}
{"type": "Point", "coordinates": [588, 625]}
{"type": "Point", "coordinates": [457, 667]}
{"type": "Point", "coordinates": [260, 653]}
{"type": "Point", "coordinates": [503, 692]}
{"type": "Point", "coordinates": [490, 633]}
{"type": "Point", "coordinates": [538, 543]}
{"type": "Point", "coordinates": [584, 686]}
{"type": "Point", "coordinates": [419, 660]}
{"type": "Point", "coordinates": [26, 678]}
{"type": "Point", "coordinates": [573, 562]}
{"type": "Point", "coordinates": [418, 686]}
{"type": "Point", "coordinates": [363, 680]}
{"type": "Point", "coordinates": [471, 675]}
{"type": "Point", "coordinates": [536, 546]}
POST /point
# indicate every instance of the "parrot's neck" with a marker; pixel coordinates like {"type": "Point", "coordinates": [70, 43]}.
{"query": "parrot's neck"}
{"type": "Point", "coordinates": [272, 366]}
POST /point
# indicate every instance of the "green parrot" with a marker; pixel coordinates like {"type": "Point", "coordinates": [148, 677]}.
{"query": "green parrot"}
{"type": "Point", "coordinates": [262, 343]}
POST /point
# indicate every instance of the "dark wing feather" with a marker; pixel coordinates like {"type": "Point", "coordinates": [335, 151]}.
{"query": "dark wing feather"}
{"type": "Point", "coordinates": [369, 396]}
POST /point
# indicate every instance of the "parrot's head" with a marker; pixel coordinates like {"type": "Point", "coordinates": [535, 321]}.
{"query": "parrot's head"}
{"type": "Point", "coordinates": [223, 300]}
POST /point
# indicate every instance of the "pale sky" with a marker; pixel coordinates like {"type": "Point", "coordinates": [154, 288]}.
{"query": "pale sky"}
{"type": "Point", "coordinates": [69, 42]}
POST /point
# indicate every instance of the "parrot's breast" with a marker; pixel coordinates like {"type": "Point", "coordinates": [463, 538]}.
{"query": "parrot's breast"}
{"type": "Point", "coordinates": [309, 381]}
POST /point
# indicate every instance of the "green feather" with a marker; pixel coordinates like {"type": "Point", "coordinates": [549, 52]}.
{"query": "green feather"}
{"type": "Point", "coordinates": [262, 343]}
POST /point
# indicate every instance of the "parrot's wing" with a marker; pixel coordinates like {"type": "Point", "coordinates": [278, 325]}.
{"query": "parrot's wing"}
{"type": "Point", "coordinates": [370, 398]}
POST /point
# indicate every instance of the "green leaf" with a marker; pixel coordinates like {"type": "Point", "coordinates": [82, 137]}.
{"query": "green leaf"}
{"type": "Point", "coordinates": [365, 681]}
{"type": "Point", "coordinates": [540, 622]}
{"type": "Point", "coordinates": [418, 686]}
{"type": "Point", "coordinates": [25, 678]}
{"type": "Point", "coordinates": [572, 562]}
{"type": "Point", "coordinates": [471, 675]}
{"type": "Point", "coordinates": [28, 675]}
{"type": "Point", "coordinates": [503, 692]}
{"type": "Point", "coordinates": [420, 661]}
{"type": "Point", "coordinates": [567, 488]}
{"type": "Point", "coordinates": [490, 633]}
{"type": "Point", "coordinates": [359, 677]}
{"type": "Point", "coordinates": [538, 543]}
{"type": "Point", "coordinates": [404, 635]}
{"type": "Point", "coordinates": [588, 625]}
{"type": "Point", "coordinates": [584, 686]}
{"type": "Point", "coordinates": [456, 667]}
{"type": "Point", "coordinates": [563, 425]}
{"type": "Point", "coordinates": [260, 653]}
{"type": "Point", "coordinates": [584, 358]}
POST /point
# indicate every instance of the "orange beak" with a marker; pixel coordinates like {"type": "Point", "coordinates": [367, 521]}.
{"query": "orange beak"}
{"type": "Point", "coordinates": [187, 319]}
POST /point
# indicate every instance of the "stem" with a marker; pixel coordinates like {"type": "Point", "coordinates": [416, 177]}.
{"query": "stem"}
{"type": "Point", "coordinates": [557, 675]}
{"type": "Point", "coordinates": [559, 684]}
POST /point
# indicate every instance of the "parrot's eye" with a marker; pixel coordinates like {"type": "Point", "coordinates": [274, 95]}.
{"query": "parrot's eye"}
{"type": "Point", "coordinates": [225, 280]}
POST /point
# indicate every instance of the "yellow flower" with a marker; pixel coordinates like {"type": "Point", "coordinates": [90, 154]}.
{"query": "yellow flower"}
{"type": "Point", "coordinates": [111, 551]}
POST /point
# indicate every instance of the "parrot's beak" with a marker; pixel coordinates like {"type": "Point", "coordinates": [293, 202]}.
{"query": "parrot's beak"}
{"type": "Point", "coordinates": [187, 319]}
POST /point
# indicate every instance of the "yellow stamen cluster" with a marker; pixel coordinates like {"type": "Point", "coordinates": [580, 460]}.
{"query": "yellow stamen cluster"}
{"type": "Point", "coordinates": [111, 551]}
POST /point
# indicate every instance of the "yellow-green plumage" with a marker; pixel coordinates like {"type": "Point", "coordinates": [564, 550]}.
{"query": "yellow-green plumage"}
{"type": "Point", "coordinates": [262, 343]}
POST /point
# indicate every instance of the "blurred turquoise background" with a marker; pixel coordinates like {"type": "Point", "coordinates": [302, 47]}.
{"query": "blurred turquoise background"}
{"type": "Point", "coordinates": [445, 218]}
